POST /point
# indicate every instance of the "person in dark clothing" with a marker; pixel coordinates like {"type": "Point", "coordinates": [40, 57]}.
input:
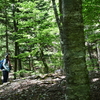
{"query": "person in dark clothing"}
{"type": "Point", "coordinates": [6, 68]}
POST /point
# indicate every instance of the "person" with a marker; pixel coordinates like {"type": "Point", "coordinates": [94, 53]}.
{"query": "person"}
{"type": "Point", "coordinates": [6, 68]}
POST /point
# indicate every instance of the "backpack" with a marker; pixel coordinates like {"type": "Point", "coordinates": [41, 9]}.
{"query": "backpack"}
{"type": "Point", "coordinates": [1, 64]}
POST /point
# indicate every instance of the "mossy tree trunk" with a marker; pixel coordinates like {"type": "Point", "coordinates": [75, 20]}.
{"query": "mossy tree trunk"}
{"type": "Point", "coordinates": [77, 87]}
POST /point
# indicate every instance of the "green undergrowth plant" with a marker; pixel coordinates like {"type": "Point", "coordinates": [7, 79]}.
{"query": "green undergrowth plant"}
{"type": "Point", "coordinates": [23, 73]}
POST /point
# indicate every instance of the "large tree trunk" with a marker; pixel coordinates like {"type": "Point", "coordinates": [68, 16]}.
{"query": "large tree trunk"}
{"type": "Point", "coordinates": [77, 87]}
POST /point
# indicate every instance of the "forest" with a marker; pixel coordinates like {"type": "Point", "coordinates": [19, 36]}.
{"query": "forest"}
{"type": "Point", "coordinates": [54, 48]}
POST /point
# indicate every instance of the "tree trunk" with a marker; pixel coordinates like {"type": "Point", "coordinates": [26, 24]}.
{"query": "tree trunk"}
{"type": "Point", "coordinates": [0, 77]}
{"type": "Point", "coordinates": [15, 30]}
{"type": "Point", "coordinates": [90, 56]}
{"type": "Point", "coordinates": [58, 19]}
{"type": "Point", "coordinates": [77, 87]}
{"type": "Point", "coordinates": [98, 53]}
{"type": "Point", "coordinates": [6, 20]}
{"type": "Point", "coordinates": [15, 67]}
{"type": "Point", "coordinates": [46, 69]}
{"type": "Point", "coordinates": [19, 60]}
{"type": "Point", "coordinates": [29, 64]}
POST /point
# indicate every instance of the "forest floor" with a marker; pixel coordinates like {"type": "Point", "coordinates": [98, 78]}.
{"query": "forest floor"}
{"type": "Point", "coordinates": [35, 87]}
{"type": "Point", "coordinates": [44, 87]}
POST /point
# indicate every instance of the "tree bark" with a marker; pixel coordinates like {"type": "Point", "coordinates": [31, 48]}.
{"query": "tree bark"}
{"type": "Point", "coordinates": [77, 87]}
{"type": "Point", "coordinates": [6, 24]}
{"type": "Point", "coordinates": [90, 55]}
{"type": "Point", "coordinates": [58, 19]}
{"type": "Point", "coordinates": [19, 60]}
{"type": "Point", "coordinates": [15, 30]}
{"type": "Point", "coordinates": [0, 77]}
{"type": "Point", "coordinates": [46, 68]}
{"type": "Point", "coordinates": [98, 53]}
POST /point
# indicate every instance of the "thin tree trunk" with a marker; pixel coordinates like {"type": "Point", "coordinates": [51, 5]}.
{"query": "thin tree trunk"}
{"type": "Point", "coordinates": [98, 53]}
{"type": "Point", "coordinates": [0, 77]}
{"type": "Point", "coordinates": [91, 58]}
{"type": "Point", "coordinates": [16, 43]}
{"type": "Point", "coordinates": [29, 63]}
{"type": "Point", "coordinates": [15, 67]}
{"type": "Point", "coordinates": [6, 24]}
{"type": "Point", "coordinates": [19, 60]}
{"type": "Point", "coordinates": [58, 19]}
{"type": "Point", "coordinates": [46, 69]}
{"type": "Point", "coordinates": [61, 12]}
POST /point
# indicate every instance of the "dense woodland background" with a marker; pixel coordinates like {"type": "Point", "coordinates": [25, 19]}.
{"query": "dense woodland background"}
{"type": "Point", "coordinates": [30, 30]}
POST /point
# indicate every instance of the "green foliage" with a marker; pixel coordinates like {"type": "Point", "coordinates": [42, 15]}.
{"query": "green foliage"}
{"type": "Point", "coordinates": [91, 19]}
{"type": "Point", "coordinates": [91, 22]}
{"type": "Point", "coordinates": [38, 30]}
{"type": "Point", "coordinates": [22, 73]}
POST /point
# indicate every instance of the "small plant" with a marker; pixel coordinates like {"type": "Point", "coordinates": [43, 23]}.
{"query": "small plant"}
{"type": "Point", "coordinates": [22, 73]}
